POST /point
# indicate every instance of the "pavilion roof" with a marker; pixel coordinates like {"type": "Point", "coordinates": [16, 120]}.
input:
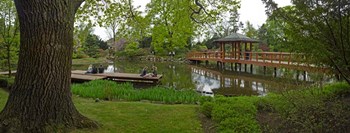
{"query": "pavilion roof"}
{"type": "Point", "coordinates": [236, 37]}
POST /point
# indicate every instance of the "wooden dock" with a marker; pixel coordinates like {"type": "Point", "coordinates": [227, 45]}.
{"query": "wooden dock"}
{"type": "Point", "coordinates": [80, 76]}
{"type": "Point", "coordinates": [120, 77]}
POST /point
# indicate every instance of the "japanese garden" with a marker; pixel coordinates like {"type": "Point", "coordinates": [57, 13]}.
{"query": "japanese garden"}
{"type": "Point", "coordinates": [174, 66]}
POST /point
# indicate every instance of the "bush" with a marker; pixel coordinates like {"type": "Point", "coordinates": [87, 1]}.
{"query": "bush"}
{"type": "Point", "coordinates": [235, 114]}
{"type": "Point", "coordinates": [311, 110]}
{"type": "Point", "coordinates": [307, 110]}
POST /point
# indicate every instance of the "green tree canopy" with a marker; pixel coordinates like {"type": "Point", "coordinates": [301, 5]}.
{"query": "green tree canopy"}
{"type": "Point", "coordinates": [320, 29]}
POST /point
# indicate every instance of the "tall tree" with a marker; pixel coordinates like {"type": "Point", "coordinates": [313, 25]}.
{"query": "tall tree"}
{"type": "Point", "coordinates": [81, 32]}
{"type": "Point", "coordinates": [249, 30]}
{"type": "Point", "coordinates": [175, 22]}
{"type": "Point", "coordinates": [9, 34]}
{"type": "Point", "coordinates": [320, 29]}
{"type": "Point", "coordinates": [40, 99]}
{"type": "Point", "coordinates": [272, 34]}
{"type": "Point", "coordinates": [171, 29]}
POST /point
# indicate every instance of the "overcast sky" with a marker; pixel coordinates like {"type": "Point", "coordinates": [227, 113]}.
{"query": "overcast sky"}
{"type": "Point", "coordinates": [251, 10]}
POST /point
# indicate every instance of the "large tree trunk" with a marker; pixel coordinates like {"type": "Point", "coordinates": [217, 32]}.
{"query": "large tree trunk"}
{"type": "Point", "coordinates": [40, 100]}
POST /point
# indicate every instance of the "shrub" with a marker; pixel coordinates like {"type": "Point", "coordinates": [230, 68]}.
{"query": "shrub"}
{"type": "Point", "coordinates": [311, 110]}
{"type": "Point", "coordinates": [233, 114]}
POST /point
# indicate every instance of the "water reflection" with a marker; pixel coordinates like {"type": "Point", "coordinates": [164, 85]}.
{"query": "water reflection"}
{"type": "Point", "coordinates": [209, 81]}
{"type": "Point", "coordinates": [213, 82]}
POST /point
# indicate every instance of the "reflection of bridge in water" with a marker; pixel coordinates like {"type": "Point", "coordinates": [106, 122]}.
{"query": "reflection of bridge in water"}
{"type": "Point", "coordinates": [211, 82]}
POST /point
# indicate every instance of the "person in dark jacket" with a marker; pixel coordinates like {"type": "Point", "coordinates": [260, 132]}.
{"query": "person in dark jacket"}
{"type": "Point", "coordinates": [94, 69]}
{"type": "Point", "coordinates": [101, 69]}
{"type": "Point", "coordinates": [144, 72]}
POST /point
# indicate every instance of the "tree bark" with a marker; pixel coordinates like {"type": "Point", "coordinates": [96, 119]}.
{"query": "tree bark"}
{"type": "Point", "coordinates": [40, 99]}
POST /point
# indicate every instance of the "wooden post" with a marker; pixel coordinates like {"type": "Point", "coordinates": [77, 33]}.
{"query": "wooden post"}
{"type": "Point", "coordinates": [231, 66]}
{"type": "Point", "coordinates": [206, 62]}
{"type": "Point", "coordinates": [275, 72]}
{"type": "Point", "coordinates": [240, 67]}
{"type": "Point", "coordinates": [223, 52]}
{"type": "Point", "coordinates": [264, 70]}
{"type": "Point", "coordinates": [304, 75]}
{"type": "Point", "coordinates": [280, 59]}
{"type": "Point", "coordinates": [235, 51]}
{"type": "Point", "coordinates": [232, 51]}
{"type": "Point", "coordinates": [251, 68]}
{"type": "Point", "coordinates": [235, 66]}
{"type": "Point", "coordinates": [245, 67]}
{"type": "Point", "coordinates": [239, 50]}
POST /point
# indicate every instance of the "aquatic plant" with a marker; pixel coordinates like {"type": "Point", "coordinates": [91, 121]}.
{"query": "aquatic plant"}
{"type": "Point", "coordinates": [109, 90]}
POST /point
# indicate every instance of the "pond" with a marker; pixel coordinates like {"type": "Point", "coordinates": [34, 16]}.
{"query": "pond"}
{"type": "Point", "coordinates": [209, 81]}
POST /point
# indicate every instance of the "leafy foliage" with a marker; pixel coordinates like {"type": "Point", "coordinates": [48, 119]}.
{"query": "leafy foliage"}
{"type": "Point", "coordinates": [319, 29]}
{"type": "Point", "coordinates": [171, 24]}
{"type": "Point", "coordinates": [94, 46]}
{"type": "Point", "coordinates": [113, 91]}
{"type": "Point", "coordinates": [9, 35]}
{"type": "Point", "coordinates": [235, 114]}
{"type": "Point", "coordinates": [312, 110]}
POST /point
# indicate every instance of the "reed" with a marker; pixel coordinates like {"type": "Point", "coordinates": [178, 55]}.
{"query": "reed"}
{"type": "Point", "coordinates": [110, 90]}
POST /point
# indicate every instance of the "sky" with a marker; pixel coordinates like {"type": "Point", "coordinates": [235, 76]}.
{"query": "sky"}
{"type": "Point", "coordinates": [251, 10]}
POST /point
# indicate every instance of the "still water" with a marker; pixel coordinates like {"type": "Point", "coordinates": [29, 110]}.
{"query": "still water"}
{"type": "Point", "coordinates": [209, 81]}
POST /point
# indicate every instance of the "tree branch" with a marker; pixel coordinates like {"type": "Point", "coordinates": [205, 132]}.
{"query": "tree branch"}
{"type": "Point", "coordinates": [201, 7]}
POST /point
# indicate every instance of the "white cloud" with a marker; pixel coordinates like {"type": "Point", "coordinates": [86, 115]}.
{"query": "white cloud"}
{"type": "Point", "coordinates": [254, 11]}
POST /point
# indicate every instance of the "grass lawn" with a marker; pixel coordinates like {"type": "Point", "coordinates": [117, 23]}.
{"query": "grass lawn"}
{"type": "Point", "coordinates": [135, 116]}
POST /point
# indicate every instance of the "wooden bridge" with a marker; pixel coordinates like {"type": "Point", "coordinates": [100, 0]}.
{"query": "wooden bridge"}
{"type": "Point", "coordinates": [238, 49]}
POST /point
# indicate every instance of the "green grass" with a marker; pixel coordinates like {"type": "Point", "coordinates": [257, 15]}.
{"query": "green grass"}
{"type": "Point", "coordinates": [134, 116]}
{"type": "Point", "coordinates": [3, 98]}
{"type": "Point", "coordinates": [89, 61]}
{"type": "Point", "coordinates": [110, 90]}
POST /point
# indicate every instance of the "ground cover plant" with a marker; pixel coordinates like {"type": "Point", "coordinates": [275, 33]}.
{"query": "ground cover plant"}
{"type": "Point", "coordinates": [324, 109]}
{"type": "Point", "coordinates": [109, 90]}
{"type": "Point", "coordinates": [311, 110]}
{"type": "Point", "coordinates": [232, 114]}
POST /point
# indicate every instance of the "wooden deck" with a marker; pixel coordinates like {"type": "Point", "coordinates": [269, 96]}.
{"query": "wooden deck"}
{"type": "Point", "coordinates": [80, 76]}
{"type": "Point", "coordinates": [121, 77]}
{"type": "Point", "coordinates": [267, 59]}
